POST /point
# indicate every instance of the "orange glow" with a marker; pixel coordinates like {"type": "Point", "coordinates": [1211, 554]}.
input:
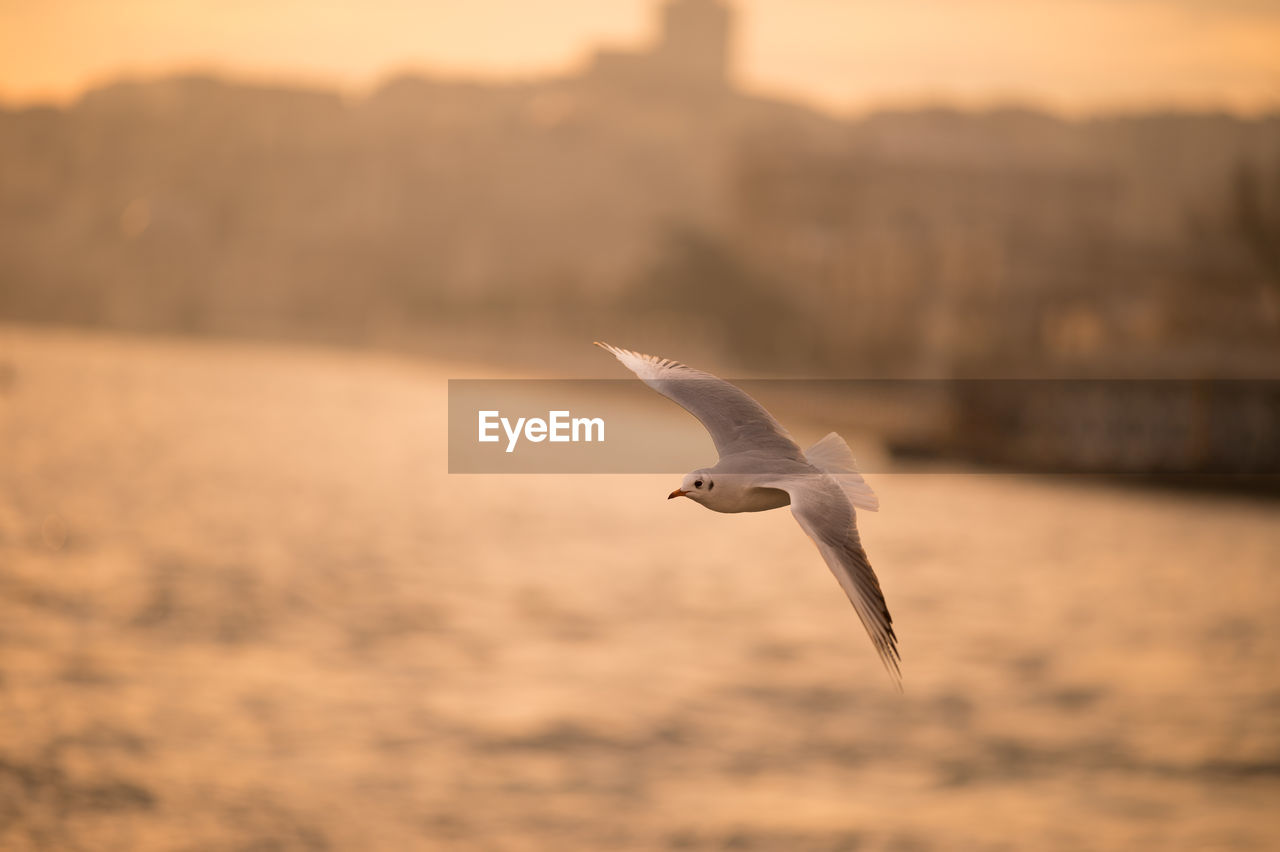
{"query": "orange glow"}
{"type": "Point", "coordinates": [1074, 56]}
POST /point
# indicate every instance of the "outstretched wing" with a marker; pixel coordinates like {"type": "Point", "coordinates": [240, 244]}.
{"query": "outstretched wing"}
{"type": "Point", "coordinates": [824, 512]}
{"type": "Point", "coordinates": [737, 422]}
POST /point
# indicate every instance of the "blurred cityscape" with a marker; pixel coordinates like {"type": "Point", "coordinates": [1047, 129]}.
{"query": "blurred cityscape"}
{"type": "Point", "coordinates": [648, 187]}
{"type": "Point", "coordinates": [244, 605]}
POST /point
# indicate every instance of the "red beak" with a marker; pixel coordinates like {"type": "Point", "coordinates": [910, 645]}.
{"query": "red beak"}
{"type": "Point", "coordinates": [677, 493]}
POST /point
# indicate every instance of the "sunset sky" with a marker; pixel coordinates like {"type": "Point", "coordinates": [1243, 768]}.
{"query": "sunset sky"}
{"type": "Point", "coordinates": [1070, 55]}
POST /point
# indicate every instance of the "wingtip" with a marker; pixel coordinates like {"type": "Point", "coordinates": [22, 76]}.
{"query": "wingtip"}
{"type": "Point", "coordinates": [617, 351]}
{"type": "Point", "coordinates": [893, 667]}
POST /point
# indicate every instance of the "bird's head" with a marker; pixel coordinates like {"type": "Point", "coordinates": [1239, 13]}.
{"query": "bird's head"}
{"type": "Point", "coordinates": [696, 486]}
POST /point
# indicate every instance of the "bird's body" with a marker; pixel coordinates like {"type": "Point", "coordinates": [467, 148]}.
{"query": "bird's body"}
{"type": "Point", "coordinates": [761, 468]}
{"type": "Point", "coordinates": [739, 493]}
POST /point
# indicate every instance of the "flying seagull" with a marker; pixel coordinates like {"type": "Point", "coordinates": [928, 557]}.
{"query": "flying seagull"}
{"type": "Point", "coordinates": [761, 468]}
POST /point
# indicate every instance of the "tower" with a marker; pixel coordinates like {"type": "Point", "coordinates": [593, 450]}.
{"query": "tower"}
{"type": "Point", "coordinates": [690, 56]}
{"type": "Point", "coordinates": [693, 43]}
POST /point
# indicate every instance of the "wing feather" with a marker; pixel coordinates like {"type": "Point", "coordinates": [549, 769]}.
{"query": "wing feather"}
{"type": "Point", "coordinates": [736, 422]}
{"type": "Point", "coordinates": [823, 511]}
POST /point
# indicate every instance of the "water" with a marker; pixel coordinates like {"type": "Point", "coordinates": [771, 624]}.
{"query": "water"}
{"type": "Point", "coordinates": [243, 605]}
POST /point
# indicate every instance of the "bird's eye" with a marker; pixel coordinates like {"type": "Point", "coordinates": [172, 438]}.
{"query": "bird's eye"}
{"type": "Point", "coordinates": [698, 484]}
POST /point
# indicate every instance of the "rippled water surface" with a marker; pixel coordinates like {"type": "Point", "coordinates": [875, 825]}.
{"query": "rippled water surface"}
{"type": "Point", "coordinates": [242, 605]}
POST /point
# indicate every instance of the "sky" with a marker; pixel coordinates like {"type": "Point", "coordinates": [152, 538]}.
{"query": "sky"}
{"type": "Point", "coordinates": [1072, 56]}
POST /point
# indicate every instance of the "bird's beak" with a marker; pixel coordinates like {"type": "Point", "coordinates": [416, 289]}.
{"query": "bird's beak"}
{"type": "Point", "coordinates": [677, 493]}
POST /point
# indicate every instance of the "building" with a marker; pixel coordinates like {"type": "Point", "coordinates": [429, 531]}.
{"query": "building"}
{"type": "Point", "coordinates": [690, 56]}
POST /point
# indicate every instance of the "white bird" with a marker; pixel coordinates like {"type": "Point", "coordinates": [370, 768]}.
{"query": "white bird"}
{"type": "Point", "coordinates": [761, 468]}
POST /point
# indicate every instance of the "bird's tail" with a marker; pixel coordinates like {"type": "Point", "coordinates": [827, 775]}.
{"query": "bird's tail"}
{"type": "Point", "coordinates": [832, 456]}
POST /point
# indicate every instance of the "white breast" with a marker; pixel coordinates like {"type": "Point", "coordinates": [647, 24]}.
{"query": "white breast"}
{"type": "Point", "coordinates": [735, 494]}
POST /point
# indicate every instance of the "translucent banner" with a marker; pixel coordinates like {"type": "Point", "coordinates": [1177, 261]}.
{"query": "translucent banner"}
{"type": "Point", "coordinates": [1218, 427]}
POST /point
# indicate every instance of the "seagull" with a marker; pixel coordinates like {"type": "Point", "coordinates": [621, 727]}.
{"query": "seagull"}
{"type": "Point", "coordinates": [761, 468]}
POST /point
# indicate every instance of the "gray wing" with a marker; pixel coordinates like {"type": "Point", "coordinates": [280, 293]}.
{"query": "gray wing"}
{"type": "Point", "coordinates": [824, 512]}
{"type": "Point", "coordinates": [737, 422]}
